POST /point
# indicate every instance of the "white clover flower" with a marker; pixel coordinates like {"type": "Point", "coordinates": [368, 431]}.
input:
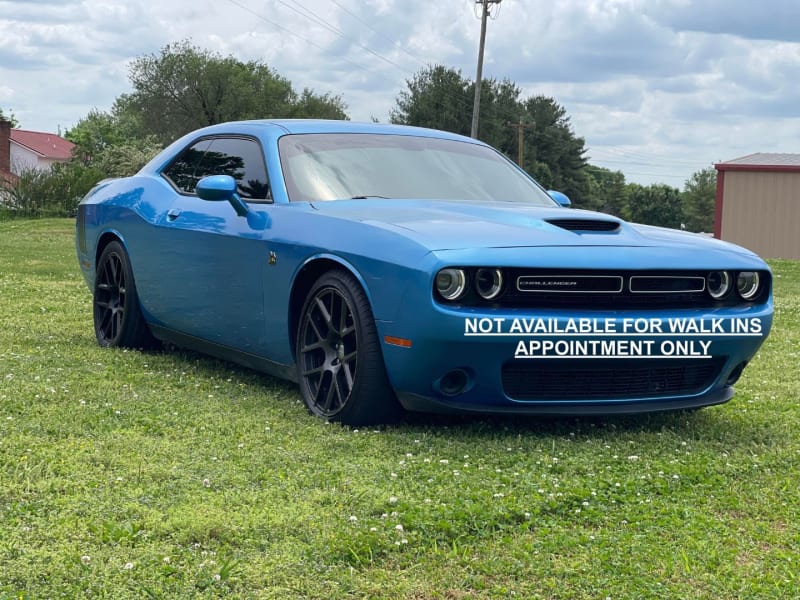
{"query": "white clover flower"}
{"type": "Point", "coordinates": [353, 518]}
{"type": "Point", "coordinates": [633, 457]}
{"type": "Point", "coordinates": [85, 559]}
{"type": "Point", "coordinates": [128, 566]}
{"type": "Point", "coordinates": [399, 527]}
{"type": "Point", "coordinates": [444, 461]}
{"type": "Point", "coordinates": [392, 499]}
{"type": "Point", "coordinates": [206, 482]}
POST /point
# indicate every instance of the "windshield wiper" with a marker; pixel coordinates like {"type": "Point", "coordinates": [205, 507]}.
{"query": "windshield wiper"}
{"type": "Point", "coordinates": [367, 197]}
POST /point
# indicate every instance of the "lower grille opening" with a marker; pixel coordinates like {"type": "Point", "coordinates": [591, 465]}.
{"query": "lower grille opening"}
{"type": "Point", "coordinates": [597, 379]}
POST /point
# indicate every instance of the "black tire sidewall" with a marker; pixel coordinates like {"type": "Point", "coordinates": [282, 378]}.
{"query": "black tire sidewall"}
{"type": "Point", "coordinates": [371, 399]}
{"type": "Point", "coordinates": [133, 331]}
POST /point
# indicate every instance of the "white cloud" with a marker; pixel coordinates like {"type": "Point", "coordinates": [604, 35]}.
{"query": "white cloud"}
{"type": "Point", "coordinates": [658, 88]}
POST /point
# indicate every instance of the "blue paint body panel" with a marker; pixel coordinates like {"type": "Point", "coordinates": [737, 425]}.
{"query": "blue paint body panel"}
{"type": "Point", "coordinates": [206, 274]}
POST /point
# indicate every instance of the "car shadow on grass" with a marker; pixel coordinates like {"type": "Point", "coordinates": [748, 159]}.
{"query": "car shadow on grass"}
{"type": "Point", "coordinates": [718, 423]}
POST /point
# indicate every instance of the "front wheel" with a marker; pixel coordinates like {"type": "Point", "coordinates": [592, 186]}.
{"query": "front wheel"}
{"type": "Point", "coordinates": [118, 320]}
{"type": "Point", "coordinates": [340, 366]}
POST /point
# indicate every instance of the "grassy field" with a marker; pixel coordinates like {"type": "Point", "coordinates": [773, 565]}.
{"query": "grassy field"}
{"type": "Point", "coordinates": [171, 475]}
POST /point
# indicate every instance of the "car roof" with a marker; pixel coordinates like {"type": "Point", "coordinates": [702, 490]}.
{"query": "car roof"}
{"type": "Point", "coordinates": [306, 126]}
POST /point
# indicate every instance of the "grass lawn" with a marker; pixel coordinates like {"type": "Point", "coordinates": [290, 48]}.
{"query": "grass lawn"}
{"type": "Point", "coordinates": [171, 475]}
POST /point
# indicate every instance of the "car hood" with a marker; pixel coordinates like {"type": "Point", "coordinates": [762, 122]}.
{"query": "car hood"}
{"type": "Point", "coordinates": [453, 225]}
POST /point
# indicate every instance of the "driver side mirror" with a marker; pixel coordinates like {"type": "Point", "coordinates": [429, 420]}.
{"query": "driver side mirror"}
{"type": "Point", "coordinates": [217, 188]}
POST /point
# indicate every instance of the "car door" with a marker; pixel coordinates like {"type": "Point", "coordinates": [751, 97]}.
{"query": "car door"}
{"type": "Point", "coordinates": [211, 261]}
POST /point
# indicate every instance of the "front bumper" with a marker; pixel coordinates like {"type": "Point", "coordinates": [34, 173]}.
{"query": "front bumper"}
{"type": "Point", "coordinates": [559, 362]}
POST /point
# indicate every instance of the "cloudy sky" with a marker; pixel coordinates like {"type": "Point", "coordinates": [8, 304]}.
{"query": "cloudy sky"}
{"type": "Point", "coordinates": [657, 88]}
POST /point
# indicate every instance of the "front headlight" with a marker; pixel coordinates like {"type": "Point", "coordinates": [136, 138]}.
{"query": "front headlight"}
{"type": "Point", "coordinates": [489, 283]}
{"type": "Point", "coordinates": [747, 284]}
{"type": "Point", "coordinates": [451, 283]}
{"type": "Point", "coordinates": [718, 284]}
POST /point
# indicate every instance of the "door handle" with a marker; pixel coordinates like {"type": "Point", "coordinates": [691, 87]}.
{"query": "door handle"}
{"type": "Point", "coordinates": [173, 213]}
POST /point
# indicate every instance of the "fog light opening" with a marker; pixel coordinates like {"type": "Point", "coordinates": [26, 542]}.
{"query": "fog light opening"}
{"type": "Point", "coordinates": [736, 373]}
{"type": "Point", "coordinates": [454, 382]}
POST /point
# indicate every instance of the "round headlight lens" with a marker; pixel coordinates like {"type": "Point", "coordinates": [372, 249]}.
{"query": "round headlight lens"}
{"type": "Point", "coordinates": [489, 283]}
{"type": "Point", "coordinates": [719, 284]}
{"type": "Point", "coordinates": [451, 283]}
{"type": "Point", "coordinates": [747, 284]}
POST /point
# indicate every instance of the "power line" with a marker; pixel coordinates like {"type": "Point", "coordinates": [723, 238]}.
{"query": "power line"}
{"type": "Point", "coordinates": [394, 42]}
{"type": "Point", "coordinates": [287, 30]}
{"type": "Point", "coordinates": [309, 14]}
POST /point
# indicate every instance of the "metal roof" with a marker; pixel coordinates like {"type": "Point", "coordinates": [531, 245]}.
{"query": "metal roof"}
{"type": "Point", "coordinates": [762, 161]}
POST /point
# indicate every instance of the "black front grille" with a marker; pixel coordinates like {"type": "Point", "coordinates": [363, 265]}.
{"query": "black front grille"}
{"type": "Point", "coordinates": [598, 379]}
{"type": "Point", "coordinates": [639, 290]}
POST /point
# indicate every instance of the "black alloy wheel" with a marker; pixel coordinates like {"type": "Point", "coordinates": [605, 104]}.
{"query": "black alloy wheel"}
{"type": "Point", "coordinates": [118, 320]}
{"type": "Point", "coordinates": [339, 361]}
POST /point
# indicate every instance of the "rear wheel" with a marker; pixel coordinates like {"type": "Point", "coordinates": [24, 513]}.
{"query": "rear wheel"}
{"type": "Point", "coordinates": [339, 361]}
{"type": "Point", "coordinates": [118, 320]}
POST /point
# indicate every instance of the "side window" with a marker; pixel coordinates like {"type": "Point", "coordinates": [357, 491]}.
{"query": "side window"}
{"type": "Point", "coordinates": [241, 158]}
{"type": "Point", "coordinates": [182, 171]}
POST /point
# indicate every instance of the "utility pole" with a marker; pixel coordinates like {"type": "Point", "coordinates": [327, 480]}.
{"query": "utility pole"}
{"type": "Point", "coordinates": [476, 107]}
{"type": "Point", "coordinates": [520, 127]}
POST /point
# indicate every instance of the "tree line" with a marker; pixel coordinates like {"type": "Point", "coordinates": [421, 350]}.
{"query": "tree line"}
{"type": "Point", "coordinates": [184, 87]}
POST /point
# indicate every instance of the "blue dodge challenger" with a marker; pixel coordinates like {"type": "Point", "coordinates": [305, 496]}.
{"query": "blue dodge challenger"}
{"type": "Point", "coordinates": [385, 268]}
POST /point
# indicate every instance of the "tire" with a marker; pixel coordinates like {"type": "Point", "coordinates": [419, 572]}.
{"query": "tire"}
{"type": "Point", "coordinates": [118, 319]}
{"type": "Point", "coordinates": [340, 365]}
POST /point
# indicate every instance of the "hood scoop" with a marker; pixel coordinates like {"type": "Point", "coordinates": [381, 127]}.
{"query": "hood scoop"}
{"type": "Point", "coordinates": [594, 225]}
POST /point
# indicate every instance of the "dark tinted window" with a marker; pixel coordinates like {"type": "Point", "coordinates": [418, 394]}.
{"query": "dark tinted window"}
{"type": "Point", "coordinates": [240, 158]}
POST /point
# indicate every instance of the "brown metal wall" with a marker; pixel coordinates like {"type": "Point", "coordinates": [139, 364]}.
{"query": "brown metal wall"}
{"type": "Point", "coordinates": [761, 211]}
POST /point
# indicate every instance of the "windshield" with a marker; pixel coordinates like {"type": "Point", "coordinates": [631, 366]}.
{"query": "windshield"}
{"type": "Point", "coordinates": [331, 166]}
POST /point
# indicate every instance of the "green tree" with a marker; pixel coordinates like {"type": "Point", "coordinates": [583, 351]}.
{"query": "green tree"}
{"type": "Point", "coordinates": [699, 200]}
{"type": "Point", "coordinates": [441, 98]}
{"type": "Point", "coordinates": [607, 191]}
{"type": "Point", "coordinates": [106, 142]}
{"type": "Point", "coordinates": [185, 87]}
{"type": "Point", "coordinates": [551, 142]}
{"type": "Point", "coordinates": [11, 117]}
{"type": "Point", "coordinates": [657, 204]}
{"type": "Point", "coordinates": [436, 97]}
{"type": "Point", "coordinates": [94, 134]}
